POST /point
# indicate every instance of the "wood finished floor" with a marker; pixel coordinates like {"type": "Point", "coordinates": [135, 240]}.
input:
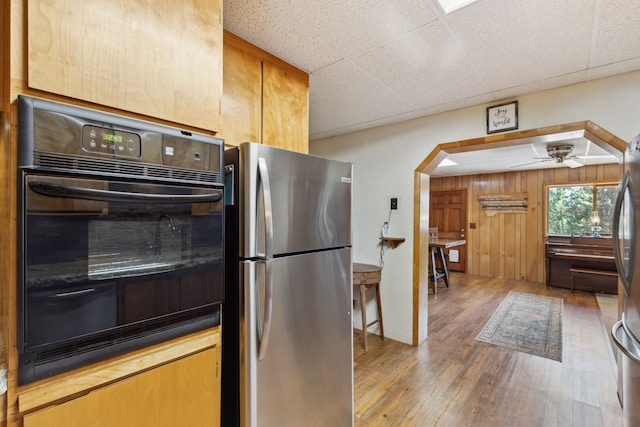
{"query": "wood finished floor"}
{"type": "Point", "coordinates": [454, 380]}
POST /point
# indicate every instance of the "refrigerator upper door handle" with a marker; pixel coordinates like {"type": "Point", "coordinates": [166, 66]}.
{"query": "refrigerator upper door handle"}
{"type": "Point", "coordinates": [621, 346]}
{"type": "Point", "coordinates": [265, 331]}
{"type": "Point", "coordinates": [616, 229]}
{"type": "Point", "coordinates": [263, 172]}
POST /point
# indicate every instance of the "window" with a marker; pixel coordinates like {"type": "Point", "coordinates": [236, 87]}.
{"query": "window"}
{"type": "Point", "coordinates": [570, 208]}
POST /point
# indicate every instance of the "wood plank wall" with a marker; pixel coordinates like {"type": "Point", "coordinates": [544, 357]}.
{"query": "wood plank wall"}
{"type": "Point", "coordinates": [511, 245]}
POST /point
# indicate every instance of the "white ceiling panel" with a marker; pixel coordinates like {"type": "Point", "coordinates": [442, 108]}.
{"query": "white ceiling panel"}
{"type": "Point", "coordinates": [354, 26]}
{"type": "Point", "coordinates": [344, 86]}
{"type": "Point", "coordinates": [614, 69]}
{"type": "Point", "coordinates": [519, 42]}
{"type": "Point", "coordinates": [375, 62]}
{"type": "Point", "coordinates": [425, 67]}
{"type": "Point", "coordinates": [541, 85]}
{"type": "Point", "coordinates": [618, 32]}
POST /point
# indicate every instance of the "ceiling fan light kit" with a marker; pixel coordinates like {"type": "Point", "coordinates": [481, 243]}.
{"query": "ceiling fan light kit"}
{"type": "Point", "coordinates": [559, 153]}
{"type": "Point", "coordinates": [562, 154]}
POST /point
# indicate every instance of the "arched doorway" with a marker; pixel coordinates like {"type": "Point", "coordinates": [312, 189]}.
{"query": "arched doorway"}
{"type": "Point", "coordinates": [586, 129]}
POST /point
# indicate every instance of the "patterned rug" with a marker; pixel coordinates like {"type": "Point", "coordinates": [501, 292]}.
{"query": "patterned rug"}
{"type": "Point", "coordinates": [527, 323]}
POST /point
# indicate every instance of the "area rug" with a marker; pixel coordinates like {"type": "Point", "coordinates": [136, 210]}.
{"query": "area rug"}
{"type": "Point", "coordinates": [527, 323]}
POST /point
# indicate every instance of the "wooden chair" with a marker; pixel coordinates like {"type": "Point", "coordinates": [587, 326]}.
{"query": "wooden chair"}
{"type": "Point", "coordinates": [367, 276]}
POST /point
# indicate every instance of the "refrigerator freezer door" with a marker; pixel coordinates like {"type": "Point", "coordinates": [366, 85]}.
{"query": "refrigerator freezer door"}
{"type": "Point", "coordinates": [630, 275]}
{"type": "Point", "coordinates": [630, 357]}
{"type": "Point", "coordinates": [304, 376]}
{"type": "Point", "coordinates": [291, 202]}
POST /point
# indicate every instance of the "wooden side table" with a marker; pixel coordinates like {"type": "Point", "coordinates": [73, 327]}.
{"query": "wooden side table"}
{"type": "Point", "coordinates": [367, 276]}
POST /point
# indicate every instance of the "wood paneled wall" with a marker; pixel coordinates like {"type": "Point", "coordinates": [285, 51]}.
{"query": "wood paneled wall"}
{"type": "Point", "coordinates": [511, 245]}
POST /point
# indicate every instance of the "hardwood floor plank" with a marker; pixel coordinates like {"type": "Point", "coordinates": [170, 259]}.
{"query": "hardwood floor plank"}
{"type": "Point", "coordinates": [454, 380]}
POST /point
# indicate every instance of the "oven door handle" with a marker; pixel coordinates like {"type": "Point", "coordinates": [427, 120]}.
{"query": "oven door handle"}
{"type": "Point", "coordinates": [74, 192]}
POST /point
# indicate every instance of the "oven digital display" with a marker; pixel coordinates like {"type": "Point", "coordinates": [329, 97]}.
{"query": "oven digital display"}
{"type": "Point", "coordinates": [111, 137]}
{"type": "Point", "coordinates": [111, 142]}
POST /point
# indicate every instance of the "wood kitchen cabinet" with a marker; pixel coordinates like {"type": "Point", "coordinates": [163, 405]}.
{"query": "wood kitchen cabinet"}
{"type": "Point", "coordinates": [184, 392]}
{"type": "Point", "coordinates": [265, 99]}
{"type": "Point", "coordinates": [161, 59]}
{"type": "Point", "coordinates": [4, 37]}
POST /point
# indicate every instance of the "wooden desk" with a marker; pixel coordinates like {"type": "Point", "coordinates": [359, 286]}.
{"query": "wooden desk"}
{"type": "Point", "coordinates": [436, 248]}
{"type": "Point", "coordinates": [368, 276]}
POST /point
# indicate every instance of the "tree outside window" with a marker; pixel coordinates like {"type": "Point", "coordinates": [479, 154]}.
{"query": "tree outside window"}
{"type": "Point", "coordinates": [570, 208]}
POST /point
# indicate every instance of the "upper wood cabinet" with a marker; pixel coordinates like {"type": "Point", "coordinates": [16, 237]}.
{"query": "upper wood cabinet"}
{"type": "Point", "coordinates": [242, 101]}
{"type": "Point", "coordinates": [265, 99]}
{"type": "Point", "coordinates": [4, 46]}
{"type": "Point", "coordinates": [285, 108]}
{"type": "Point", "coordinates": [162, 59]}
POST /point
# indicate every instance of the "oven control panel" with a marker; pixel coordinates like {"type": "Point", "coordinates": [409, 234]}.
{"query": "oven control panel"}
{"type": "Point", "coordinates": [70, 139]}
{"type": "Point", "coordinates": [101, 140]}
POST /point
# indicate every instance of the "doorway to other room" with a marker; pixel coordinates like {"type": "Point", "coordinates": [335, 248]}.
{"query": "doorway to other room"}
{"type": "Point", "coordinates": [448, 212]}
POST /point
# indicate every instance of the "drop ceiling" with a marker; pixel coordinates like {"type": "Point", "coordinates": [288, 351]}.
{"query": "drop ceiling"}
{"type": "Point", "coordinates": [376, 62]}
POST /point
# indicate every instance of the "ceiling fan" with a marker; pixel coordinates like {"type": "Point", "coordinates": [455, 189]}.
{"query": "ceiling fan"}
{"type": "Point", "coordinates": [558, 153]}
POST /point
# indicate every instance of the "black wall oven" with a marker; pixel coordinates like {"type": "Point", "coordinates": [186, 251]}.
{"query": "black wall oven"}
{"type": "Point", "coordinates": [121, 235]}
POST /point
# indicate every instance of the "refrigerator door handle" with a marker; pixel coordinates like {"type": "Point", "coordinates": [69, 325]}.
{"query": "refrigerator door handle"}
{"type": "Point", "coordinates": [265, 328]}
{"type": "Point", "coordinates": [617, 210]}
{"type": "Point", "coordinates": [621, 346]}
{"type": "Point", "coordinates": [263, 172]}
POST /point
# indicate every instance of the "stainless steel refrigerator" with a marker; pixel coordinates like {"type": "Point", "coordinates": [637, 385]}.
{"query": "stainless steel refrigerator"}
{"type": "Point", "coordinates": [626, 332]}
{"type": "Point", "coordinates": [287, 317]}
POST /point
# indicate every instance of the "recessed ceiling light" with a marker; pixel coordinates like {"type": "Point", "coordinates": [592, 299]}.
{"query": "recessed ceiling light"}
{"type": "Point", "coordinates": [447, 162]}
{"type": "Point", "coordinates": [449, 6]}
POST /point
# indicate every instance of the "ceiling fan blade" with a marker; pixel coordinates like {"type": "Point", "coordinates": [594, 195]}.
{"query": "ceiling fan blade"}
{"type": "Point", "coordinates": [542, 160]}
{"type": "Point", "coordinates": [573, 163]}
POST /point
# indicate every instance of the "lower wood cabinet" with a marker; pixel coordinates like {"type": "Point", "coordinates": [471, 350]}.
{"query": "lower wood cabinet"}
{"type": "Point", "coordinates": [185, 392]}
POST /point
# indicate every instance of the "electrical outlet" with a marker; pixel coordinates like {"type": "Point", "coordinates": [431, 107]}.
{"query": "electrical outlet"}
{"type": "Point", "coordinates": [394, 203]}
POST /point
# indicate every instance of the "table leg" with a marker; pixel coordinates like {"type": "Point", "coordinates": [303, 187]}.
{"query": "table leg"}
{"type": "Point", "coordinates": [434, 270]}
{"type": "Point", "coordinates": [444, 267]}
{"type": "Point", "coordinates": [379, 301]}
{"type": "Point", "coordinates": [363, 309]}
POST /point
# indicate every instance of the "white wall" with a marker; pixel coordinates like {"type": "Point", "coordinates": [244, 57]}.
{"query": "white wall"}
{"type": "Point", "coordinates": [385, 159]}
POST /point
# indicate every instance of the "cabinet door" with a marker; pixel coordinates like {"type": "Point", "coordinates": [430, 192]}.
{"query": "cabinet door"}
{"type": "Point", "coordinates": [242, 100]}
{"type": "Point", "coordinates": [182, 393]}
{"type": "Point", "coordinates": [4, 45]}
{"type": "Point", "coordinates": [285, 108]}
{"type": "Point", "coordinates": [162, 58]}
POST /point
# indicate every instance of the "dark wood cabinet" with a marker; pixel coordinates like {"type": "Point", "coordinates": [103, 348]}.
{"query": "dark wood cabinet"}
{"type": "Point", "coordinates": [581, 263]}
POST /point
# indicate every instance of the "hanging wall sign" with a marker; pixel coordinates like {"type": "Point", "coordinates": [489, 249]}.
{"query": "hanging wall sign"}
{"type": "Point", "coordinates": [495, 203]}
{"type": "Point", "coordinates": [502, 117]}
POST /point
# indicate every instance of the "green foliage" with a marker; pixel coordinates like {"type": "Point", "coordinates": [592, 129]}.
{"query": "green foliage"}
{"type": "Point", "coordinates": [605, 202]}
{"type": "Point", "coordinates": [571, 209]}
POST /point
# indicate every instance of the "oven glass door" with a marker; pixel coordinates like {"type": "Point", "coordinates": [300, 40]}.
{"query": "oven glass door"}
{"type": "Point", "coordinates": [106, 256]}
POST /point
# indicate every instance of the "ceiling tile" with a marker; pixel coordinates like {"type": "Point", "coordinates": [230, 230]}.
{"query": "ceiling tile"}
{"type": "Point", "coordinates": [618, 32]}
{"type": "Point", "coordinates": [425, 67]}
{"type": "Point", "coordinates": [521, 41]}
{"type": "Point", "coordinates": [542, 85]}
{"type": "Point", "coordinates": [349, 89]}
{"type": "Point", "coordinates": [614, 69]}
